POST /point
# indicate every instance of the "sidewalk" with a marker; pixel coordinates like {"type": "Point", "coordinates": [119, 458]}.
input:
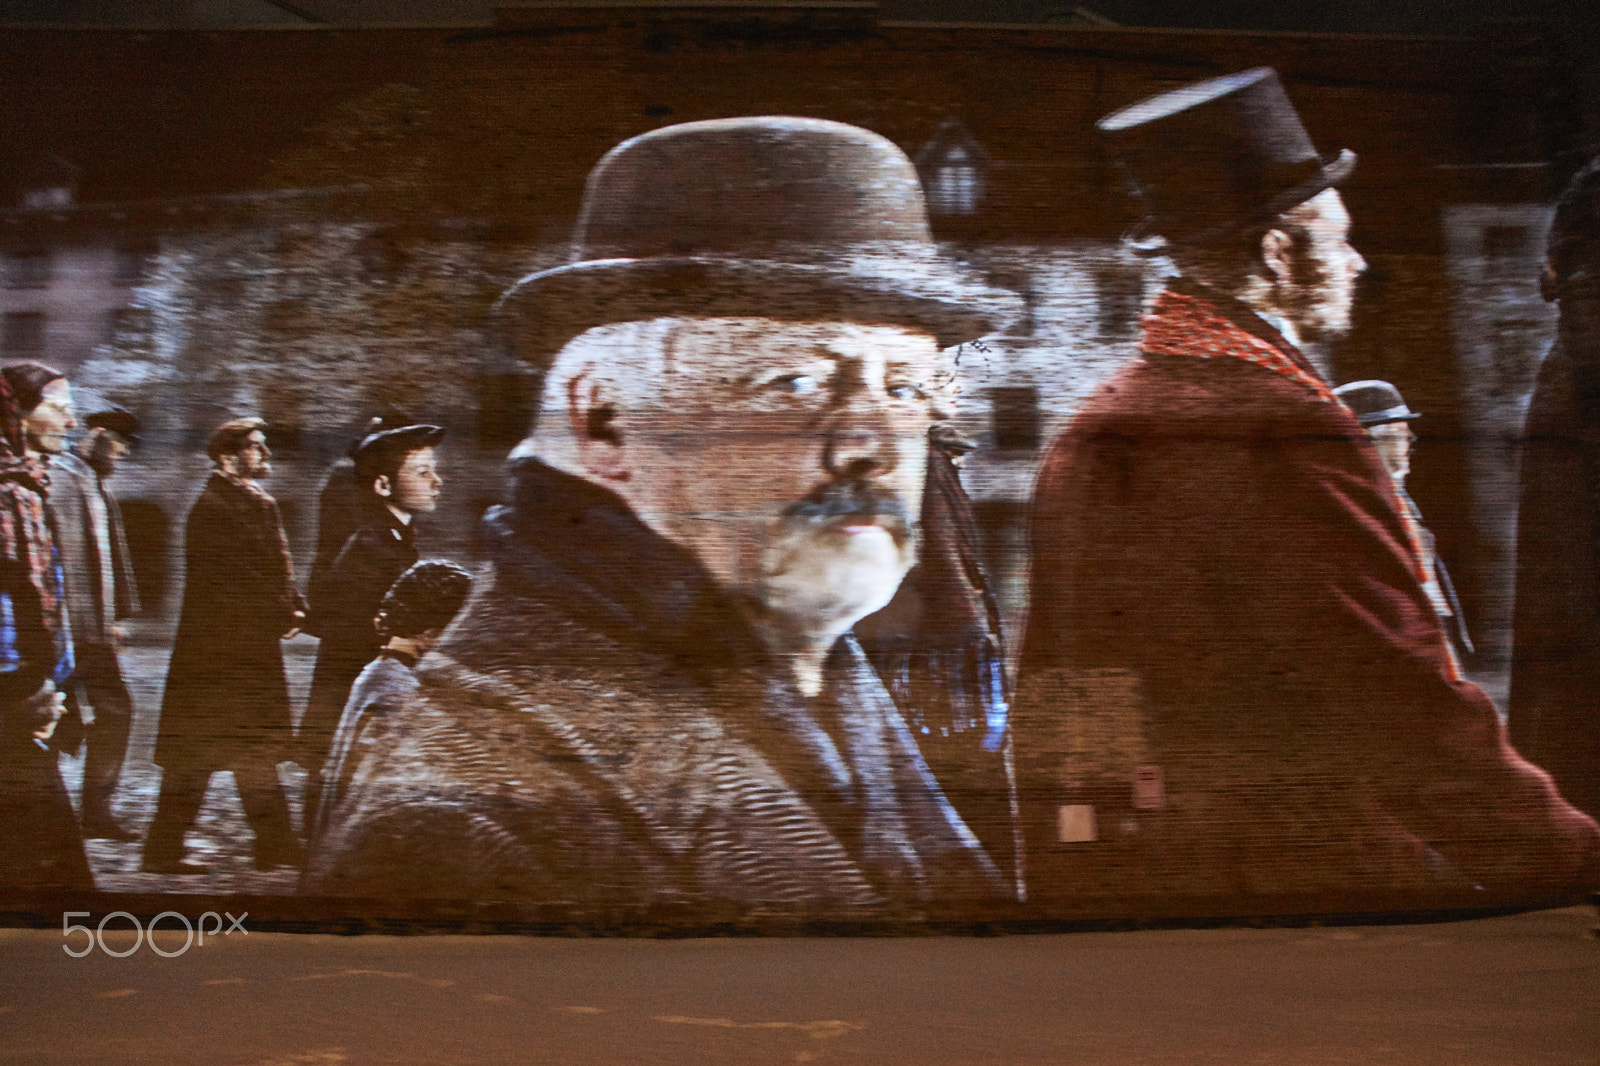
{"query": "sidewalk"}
{"type": "Point", "coordinates": [1505, 991]}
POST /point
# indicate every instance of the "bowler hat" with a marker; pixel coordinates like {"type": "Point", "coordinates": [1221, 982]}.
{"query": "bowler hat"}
{"type": "Point", "coordinates": [1213, 158]}
{"type": "Point", "coordinates": [788, 218]}
{"type": "Point", "coordinates": [378, 449]}
{"type": "Point", "coordinates": [119, 420]}
{"type": "Point", "coordinates": [1375, 403]}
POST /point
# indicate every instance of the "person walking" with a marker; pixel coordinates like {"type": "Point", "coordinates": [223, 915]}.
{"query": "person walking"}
{"type": "Point", "coordinates": [397, 478]}
{"type": "Point", "coordinates": [40, 843]}
{"type": "Point", "coordinates": [226, 705]}
{"type": "Point", "coordinates": [100, 592]}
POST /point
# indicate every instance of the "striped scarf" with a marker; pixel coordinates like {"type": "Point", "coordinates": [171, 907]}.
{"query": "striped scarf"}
{"type": "Point", "coordinates": [1182, 324]}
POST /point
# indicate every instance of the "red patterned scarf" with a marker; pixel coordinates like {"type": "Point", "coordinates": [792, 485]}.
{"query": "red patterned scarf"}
{"type": "Point", "coordinates": [1181, 324]}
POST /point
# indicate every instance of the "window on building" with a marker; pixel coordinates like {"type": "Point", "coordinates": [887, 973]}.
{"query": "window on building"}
{"type": "Point", "coordinates": [22, 335]}
{"type": "Point", "coordinates": [28, 270]}
{"type": "Point", "coordinates": [1119, 298]}
{"type": "Point", "coordinates": [131, 265]}
{"type": "Point", "coordinates": [505, 408]}
{"type": "Point", "coordinates": [1507, 253]}
{"type": "Point", "coordinates": [50, 182]}
{"type": "Point", "coordinates": [956, 184]}
{"type": "Point", "coordinates": [130, 329]}
{"type": "Point", "coordinates": [1015, 425]}
{"type": "Point", "coordinates": [46, 197]}
{"type": "Point", "coordinates": [953, 166]}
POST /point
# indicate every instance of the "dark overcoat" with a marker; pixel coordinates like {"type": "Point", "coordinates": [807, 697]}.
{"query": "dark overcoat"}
{"type": "Point", "coordinates": [227, 698]}
{"type": "Point", "coordinates": [1555, 672]}
{"type": "Point", "coordinates": [1231, 669]}
{"type": "Point", "coordinates": [599, 731]}
{"type": "Point", "coordinates": [344, 601]}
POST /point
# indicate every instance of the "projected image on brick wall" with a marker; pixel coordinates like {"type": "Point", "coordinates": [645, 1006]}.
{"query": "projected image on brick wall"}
{"type": "Point", "coordinates": [810, 508]}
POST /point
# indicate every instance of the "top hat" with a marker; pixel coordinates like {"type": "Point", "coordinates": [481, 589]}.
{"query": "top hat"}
{"type": "Point", "coordinates": [1375, 403]}
{"type": "Point", "coordinates": [118, 420]}
{"type": "Point", "coordinates": [788, 218]}
{"type": "Point", "coordinates": [377, 448]}
{"type": "Point", "coordinates": [1216, 157]}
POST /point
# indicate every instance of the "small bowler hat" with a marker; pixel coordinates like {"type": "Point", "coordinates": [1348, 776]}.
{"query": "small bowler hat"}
{"type": "Point", "coordinates": [1375, 403]}
{"type": "Point", "coordinates": [376, 449]}
{"type": "Point", "coordinates": [1216, 157]}
{"type": "Point", "coordinates": [787, 218]}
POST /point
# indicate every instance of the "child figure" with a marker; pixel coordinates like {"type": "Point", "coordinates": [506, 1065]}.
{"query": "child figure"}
{"type": "Point", "coordinates": [414, 613]}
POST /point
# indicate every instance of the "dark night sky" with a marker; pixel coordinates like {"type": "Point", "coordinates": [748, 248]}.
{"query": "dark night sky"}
{"type": "Point", "coordinates": [1452, 17]}
{"type": "Point", "coordinates": [1575, 24]}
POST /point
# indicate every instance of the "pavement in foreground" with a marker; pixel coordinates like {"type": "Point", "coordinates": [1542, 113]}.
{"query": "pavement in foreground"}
{"type": "Point", "coordinates": [1505, 990]}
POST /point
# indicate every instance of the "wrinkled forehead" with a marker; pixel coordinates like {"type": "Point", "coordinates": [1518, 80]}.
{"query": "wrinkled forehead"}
{"type": "Point", "coordinates": [703, 345]}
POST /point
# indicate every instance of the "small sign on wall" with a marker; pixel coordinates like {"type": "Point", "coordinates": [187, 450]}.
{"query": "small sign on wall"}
{"type": "Point", "coordinates": [1149, 788]}
{"type": "Point", "coordinates": [1075, 823]}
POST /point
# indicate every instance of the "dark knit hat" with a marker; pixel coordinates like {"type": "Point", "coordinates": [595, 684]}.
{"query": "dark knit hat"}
{"type": "Point", "coordinates": [427, 596]}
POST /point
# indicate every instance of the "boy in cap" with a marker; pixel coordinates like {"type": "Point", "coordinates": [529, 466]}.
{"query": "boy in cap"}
{"type": "Point", "coordinates": [397, 478]}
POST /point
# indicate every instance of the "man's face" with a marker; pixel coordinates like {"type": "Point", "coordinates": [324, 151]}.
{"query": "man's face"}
{"type": "Point", "coordinates": [47, 424]}
{"type": "Point", "coordinates": [416, 485]}
{"type": "Point", "coordinates": [1394, 440]}
{"type": "Point", "coordinates": [790, 457]}
{"type": "Point", "coordinates": [251, 461]}
{"type": "Point", "coordinates": [103, 449]}
{"type": "Point", "coordinates": [1326, 267]}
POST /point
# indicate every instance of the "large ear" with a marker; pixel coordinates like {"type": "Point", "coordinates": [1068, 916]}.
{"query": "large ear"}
{"type": "Point", "coordinates": [382, 487]}
{"type": "Point", "coordinates": [1278, 255]}
{"type": "Point", "coordinates": [598, 421]}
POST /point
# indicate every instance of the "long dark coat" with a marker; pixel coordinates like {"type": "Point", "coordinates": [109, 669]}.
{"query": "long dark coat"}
{"type": "Point", "coordinates": [1555, 672]}
{"type": "Point", "coordinates": [1226, 610]}
{"type": "Point", "coordinates": [226, 697]}
{"type": "Point", "coordinates": [344, 602]}
{"type": "Point", "coordinates": [600, 730]}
